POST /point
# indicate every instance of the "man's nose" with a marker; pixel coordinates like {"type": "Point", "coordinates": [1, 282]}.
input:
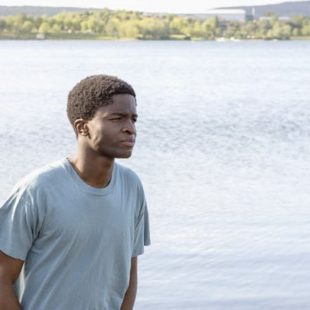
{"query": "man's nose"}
{"type": "Point", "coordinates": [130, 127]}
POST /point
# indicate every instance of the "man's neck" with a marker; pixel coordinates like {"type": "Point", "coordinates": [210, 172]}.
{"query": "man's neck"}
{"type": "Point", "coordinates": [93, 170]}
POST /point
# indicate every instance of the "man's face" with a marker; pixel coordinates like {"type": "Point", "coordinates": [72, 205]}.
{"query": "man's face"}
{"type": "Point", "coordinates": [112, 131]}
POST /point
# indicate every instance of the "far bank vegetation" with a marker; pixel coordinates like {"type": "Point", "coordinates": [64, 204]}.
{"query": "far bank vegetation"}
{"type": "Point", "coordinates": [107, 24]}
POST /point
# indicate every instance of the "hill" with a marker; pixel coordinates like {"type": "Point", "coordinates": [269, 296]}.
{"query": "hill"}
{"type": "Point", "coordinates": [282, 9]}
{"type": "Point", "coordinates": [38, 10]}
{"type": "Point", "coordinates": [288, 9]}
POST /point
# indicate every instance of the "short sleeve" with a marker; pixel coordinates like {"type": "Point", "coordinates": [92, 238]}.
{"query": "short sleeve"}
{"type": "Point", "coordinates": [142, 230]}
{"type": "Point", "coordinates": [18, 224]}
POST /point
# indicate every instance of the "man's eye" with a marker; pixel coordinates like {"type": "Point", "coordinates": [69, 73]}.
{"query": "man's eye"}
{"type": "Point", "coordinates": [116, 118]}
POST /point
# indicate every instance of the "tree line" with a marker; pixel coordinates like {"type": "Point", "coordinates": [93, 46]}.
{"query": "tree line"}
{"type": "Point", "coordinates": [121, 24]}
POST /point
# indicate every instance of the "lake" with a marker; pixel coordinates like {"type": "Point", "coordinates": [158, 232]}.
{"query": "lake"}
{"type": "Point", "coordinates": [223, 151]}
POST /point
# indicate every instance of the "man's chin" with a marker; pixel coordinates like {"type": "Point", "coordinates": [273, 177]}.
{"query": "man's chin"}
{"type": "Point", "coordinates": [124, 155]}
{"type": "Point", "coordinates": [117, 154]}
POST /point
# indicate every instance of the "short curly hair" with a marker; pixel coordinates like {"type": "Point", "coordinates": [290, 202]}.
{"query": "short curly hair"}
{"type": "Point", "coordinates": [93, 92]}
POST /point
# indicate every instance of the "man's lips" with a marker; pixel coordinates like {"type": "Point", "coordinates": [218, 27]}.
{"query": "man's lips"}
{"type": "Point", "coordinates": [129, 143]}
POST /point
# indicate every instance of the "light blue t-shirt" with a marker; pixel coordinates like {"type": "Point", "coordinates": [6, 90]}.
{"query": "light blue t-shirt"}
{"type": "Point", "coordinates": [77, 241]}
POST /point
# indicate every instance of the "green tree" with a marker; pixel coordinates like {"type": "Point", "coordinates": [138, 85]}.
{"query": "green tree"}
{"type": "Point", "coordinates": [129, 29]}
{"type": "Point", "coordinates": [210, 27]}
{"type": "Point", "coordinates": [153, 28]}
{"type": "Point", "coordinates": [196, 29]}
{"type": "Point", "coordinates": [177, 24]}
{"type": "Point", "coordinates": [27, 27]}
{"type": "Point", "coordinates": [3, 25]}
{"type": "Point", "coordinates": [111, 28]}
{"type": "Point", "coordinates": [280, 31]}
{"type": "Point", "coordinates": [44, 28]}
{"type": "Point", "coordinates": [306, 29]}
{"type": "Point", "coordinates": [129, 24]}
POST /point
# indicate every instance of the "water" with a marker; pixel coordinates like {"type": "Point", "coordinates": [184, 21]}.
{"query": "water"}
{"type": "Point", "coordinates": [223, 151]}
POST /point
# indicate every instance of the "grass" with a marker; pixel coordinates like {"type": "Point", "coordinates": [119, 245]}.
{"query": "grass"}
{"type": "Point", "coordinates": [90, 36]}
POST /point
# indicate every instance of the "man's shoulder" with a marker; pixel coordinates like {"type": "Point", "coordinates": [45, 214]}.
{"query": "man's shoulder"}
{"type": "Point", "coordinates": [129, 175]}
{"type": "Point", "coordinates": [52, 172]}
{"type": "Point", "coordinates": [131, 183]}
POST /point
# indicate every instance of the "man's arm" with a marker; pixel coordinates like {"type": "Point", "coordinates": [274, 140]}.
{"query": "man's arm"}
{"type": "Point", "coordinates": [130, 296]}
{"type": "Point", "coordinates": [9, 270]}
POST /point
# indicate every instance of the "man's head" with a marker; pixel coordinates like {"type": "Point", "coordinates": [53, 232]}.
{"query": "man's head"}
{"type": "Point", "coordinates": [94, 92]}
{"type": "Point", "coordinates": [102, 111]}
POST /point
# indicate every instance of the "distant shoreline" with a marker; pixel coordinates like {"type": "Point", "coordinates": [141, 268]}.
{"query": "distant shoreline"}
{"type": "Point", "coordinates": [99, 38]}
{"type": "Point", "coordinates": [130, 25]}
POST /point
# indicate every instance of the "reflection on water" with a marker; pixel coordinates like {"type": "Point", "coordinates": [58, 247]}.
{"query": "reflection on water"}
{"type": "Point", "coordinates": [223, 151]}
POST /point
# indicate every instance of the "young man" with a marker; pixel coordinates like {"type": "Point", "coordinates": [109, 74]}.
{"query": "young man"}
{"type": "Point", "coordinates": [77, 226]}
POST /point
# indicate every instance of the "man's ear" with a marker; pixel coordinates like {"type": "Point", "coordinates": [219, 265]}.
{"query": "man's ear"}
{"type": "Point", "coordinates": [81, 127]}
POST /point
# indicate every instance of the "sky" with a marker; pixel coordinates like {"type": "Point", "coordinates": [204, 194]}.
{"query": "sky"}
{"type": "Point", "coordinates": [172, 6]}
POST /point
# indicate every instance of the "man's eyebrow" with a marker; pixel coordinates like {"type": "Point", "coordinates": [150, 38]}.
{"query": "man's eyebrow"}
{"type": "Point", "coordinates": [123, 114]}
